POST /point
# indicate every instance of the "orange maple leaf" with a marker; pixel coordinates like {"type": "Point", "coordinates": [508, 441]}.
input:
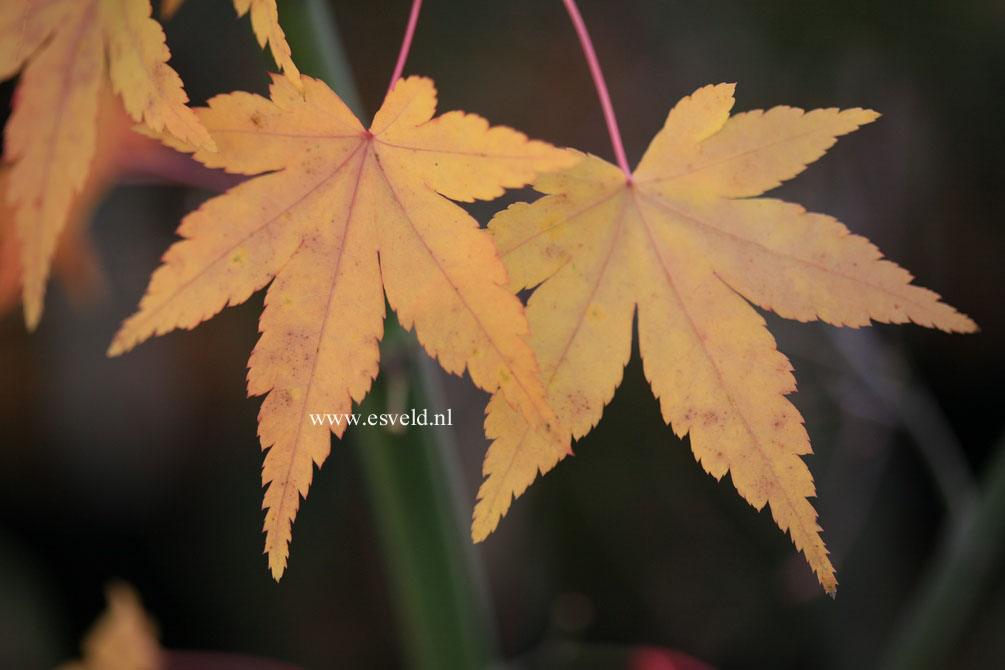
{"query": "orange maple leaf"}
{"type": "Point", "coordinates": [344, 215]}
{"type": "Point", "coordinates": [681, 242]}
{"type": "Point", "coordinates": [50, 137]}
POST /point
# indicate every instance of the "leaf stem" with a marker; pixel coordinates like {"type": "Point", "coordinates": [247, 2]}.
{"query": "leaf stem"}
{"type": "Point", "coordinates": [439, 590]}
{"type": "Point", "coordinates": [888, 374]}
{"type": "Point", "coordinates": [598, 81]}
{"type": "Point", "coordinates": [958, 581]}
{"type": "Point", "coordinates": [406, 44]}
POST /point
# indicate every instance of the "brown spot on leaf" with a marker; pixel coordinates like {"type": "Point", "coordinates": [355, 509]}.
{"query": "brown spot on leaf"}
{"type": "Point", "coordinates": [552, 251]}
{"type": "Point", "coordinates": [578, 401]}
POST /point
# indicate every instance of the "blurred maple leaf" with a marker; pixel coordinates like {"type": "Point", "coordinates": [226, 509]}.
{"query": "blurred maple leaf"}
{"type": "Point", "coordinates": [123, 638]}
{"type": "Point", "coordinates": [50, 137]}
{"type": "Point", "coordinates": [120, 155]}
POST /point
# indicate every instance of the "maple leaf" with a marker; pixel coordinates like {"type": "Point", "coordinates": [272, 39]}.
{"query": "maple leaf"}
{"type": "Point", "coordinates": [681, 242]}
{"type": "Point", "coordinates": [50, 137]}
{"type": "Point", "coordinates": [118, 151]}
{"type": "Point", "coordinates": [123, 638]}
{"type": "Point", "coordinates": [74, 262]}
{"type": "Point", "coordinates": [343, 216]}
{"type": "Point", "coordinates": [265, 24]}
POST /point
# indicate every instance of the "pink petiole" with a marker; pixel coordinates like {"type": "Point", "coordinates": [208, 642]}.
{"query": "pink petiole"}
{"type": "Point", "coordinates": [406, 44]}
{"type": "Point", "coordinates": [598, 81]}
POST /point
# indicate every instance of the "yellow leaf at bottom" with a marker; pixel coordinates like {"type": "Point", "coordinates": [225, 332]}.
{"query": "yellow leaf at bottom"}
{"type": "Point", "coordinates": [123, 638]}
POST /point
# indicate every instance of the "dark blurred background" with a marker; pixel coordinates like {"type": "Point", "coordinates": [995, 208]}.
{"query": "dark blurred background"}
{"type": "Point", "coordinates": [146, 467]}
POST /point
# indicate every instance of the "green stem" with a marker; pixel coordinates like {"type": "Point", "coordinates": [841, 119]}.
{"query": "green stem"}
{"type": "Point", "coordinates": [317, 48]}
{"type": "Point", "coordinates": [968, 560]}
{"type": "Point", "coordinates": [414, 479]}
{"type": "Point", "coordinates": [438, 589]}
{"type": "Point", "coordinates": [888, 374]}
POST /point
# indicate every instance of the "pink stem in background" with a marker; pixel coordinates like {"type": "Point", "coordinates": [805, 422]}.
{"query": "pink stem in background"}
{"type": "Point", "coordinates": [406, 44]}
{"type": "Point", "coordinates": [598, 81]}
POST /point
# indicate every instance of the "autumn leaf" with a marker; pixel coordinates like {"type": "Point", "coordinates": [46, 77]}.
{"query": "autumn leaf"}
{"type": "Point", "coordinates": [63, 46]}
{"type": "Point", "coordinates": [169, 7]}
{"type": "Point", "coordinates": [120, 154]}
{"type": "Point", "coordinates": [679, 244]}
{"type": "Point", "coordinates": [74, 262]}
{"type": "Point", "coordinates": [123, 638]}
{"type": "Point", "coordinates": [344, 216]}
{"type": "Point", "coordinates": [265, 24]}
{"type": "Point", "coordinates": [118, 151]}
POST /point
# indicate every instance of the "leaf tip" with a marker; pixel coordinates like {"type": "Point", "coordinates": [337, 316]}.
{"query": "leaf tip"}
{"type": "Point", "coordinates": [277, 565]}
{"type": "Point", "coordinates": [829, 582]}
{"type": "Point", "coordinates": [209, 146]}
{"type": "Point", "coordinates": [967, 325]}
{"type": "Point", "coordinates": [481, 527]}
{"type": "Point", "coordinates": [119, 345]}
{"type": "Point", "coordinates": [862, 116]}
{"type": "Point", "coordinates": [726, 89]}
{"type": "Point", "coordinates": [32, 314]}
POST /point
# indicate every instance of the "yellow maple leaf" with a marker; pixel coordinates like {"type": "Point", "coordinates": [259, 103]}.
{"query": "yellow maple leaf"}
{"type": "Point", "coordinates": [50, 137]}
{"type": "Point", "coordinates": [265, 24]}
{"type": "Point", "coordinates": [682, 241]}
{"type": "Point", "coordinates": [343, 216]}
